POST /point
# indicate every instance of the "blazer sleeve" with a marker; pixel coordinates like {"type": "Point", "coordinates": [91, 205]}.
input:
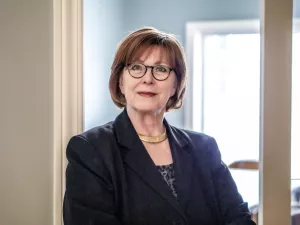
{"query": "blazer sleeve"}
{"type": "Point", "coordinates": [89, 193]}
{"type": "Point", "coordinates": [234, 211]}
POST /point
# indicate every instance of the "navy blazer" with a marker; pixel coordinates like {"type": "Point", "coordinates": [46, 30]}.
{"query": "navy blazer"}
{"type": "Point", "coordinates": [111, 179]}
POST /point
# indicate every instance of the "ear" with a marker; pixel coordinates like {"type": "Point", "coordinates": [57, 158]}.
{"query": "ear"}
{"type": "Point", "coordinates": [174, 88]}
{"type": "Point", "coordinates": [121, 83]}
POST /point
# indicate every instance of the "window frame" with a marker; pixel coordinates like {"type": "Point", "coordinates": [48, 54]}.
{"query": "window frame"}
{"type": "Point", "coordinates": [275, 205]}
{"type": "Point", "coordinates": [195, 33]}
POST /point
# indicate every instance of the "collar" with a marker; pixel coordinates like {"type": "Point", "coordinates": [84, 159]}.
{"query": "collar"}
{"type": "Point", "coordinates": [127, 135]}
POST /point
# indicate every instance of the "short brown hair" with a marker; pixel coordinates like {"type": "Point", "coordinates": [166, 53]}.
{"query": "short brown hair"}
{"type": "Point", "coordinates": [132, 46]}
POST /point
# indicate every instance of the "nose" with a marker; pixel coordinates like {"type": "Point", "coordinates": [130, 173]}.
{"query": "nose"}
{"type": "Point", "coordinates": [148, 78]}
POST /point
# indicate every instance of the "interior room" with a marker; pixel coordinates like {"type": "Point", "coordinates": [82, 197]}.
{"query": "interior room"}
{"type": "Point", "coordinates": [243, 89]}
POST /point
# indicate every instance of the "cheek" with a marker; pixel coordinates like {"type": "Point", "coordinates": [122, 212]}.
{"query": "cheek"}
{"type": "Point", "coordinates": [127, 86]}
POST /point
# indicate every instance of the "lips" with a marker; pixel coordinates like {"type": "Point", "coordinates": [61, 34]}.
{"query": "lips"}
{"type": "Point", "coordinates": [147, 94]}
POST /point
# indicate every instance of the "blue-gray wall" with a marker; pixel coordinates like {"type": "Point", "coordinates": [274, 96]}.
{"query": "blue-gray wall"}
{"type": "Point", "coordinates": [172, 15]}
{"type": "Point", "coordinates": [117, 18]}
{"type": "Point", "coordinates": [103, 29]}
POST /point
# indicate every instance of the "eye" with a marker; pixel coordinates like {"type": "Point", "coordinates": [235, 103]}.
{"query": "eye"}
{"type": "Point", "coordinates": [161, 69]}
{"type": "Point", "coordinates": [137, 67]}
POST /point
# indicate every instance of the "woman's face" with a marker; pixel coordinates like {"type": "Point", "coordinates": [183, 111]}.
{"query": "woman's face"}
{"type": "Point", "coordinates": [146, 94]}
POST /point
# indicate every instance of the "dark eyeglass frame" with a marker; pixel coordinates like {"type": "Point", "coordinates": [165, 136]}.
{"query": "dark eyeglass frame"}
{"type": "Point", "coordinates": [152, 67]}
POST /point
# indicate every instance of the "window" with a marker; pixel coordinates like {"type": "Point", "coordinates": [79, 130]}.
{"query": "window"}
{"type": "Point", "coordinates": [225, 62]}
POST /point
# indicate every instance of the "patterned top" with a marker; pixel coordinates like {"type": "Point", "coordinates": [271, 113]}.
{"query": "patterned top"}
{"type": "Point", "coordinates": [167, 172]}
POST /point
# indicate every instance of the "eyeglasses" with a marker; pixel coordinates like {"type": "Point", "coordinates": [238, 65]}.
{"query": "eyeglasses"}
{"type": "Point", "coordinates": [159, 72]}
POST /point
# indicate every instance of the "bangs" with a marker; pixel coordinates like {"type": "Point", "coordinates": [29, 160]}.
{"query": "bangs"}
{"type": "Point", "coordinates": [147, 46]}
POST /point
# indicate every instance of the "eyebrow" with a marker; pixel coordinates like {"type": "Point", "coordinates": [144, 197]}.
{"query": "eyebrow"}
{"type": "Point", "coordinates": [159, 62]}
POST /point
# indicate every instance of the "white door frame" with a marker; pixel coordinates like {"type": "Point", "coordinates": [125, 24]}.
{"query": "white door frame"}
{"type": "Point", "coordinates": [68, 89]}
{"type": "Point", "coordinates": [276, 28]}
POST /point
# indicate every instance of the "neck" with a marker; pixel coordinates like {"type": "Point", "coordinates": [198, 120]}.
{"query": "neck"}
{"type": "Point", "coordinates": [147, 123]}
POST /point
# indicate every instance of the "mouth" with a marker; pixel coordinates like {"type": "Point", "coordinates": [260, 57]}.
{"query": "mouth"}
{"type": "Point", "coordinates": [147, 94]}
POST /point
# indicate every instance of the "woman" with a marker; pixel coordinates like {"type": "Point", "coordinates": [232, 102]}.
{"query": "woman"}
{"type": "Point", "coordinates": [139, 169]}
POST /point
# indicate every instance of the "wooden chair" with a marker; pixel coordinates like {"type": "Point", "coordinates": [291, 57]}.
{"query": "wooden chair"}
{"type": "Point", "coordinates": [247, 165]}
{"type": "Point", "coordinates": [254, 165]}
{"type": "Point", "coordinates": [244, 164]}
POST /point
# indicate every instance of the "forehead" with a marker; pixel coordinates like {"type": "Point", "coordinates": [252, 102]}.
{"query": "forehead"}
{"type": "Point", "coordinates": [157, 54]}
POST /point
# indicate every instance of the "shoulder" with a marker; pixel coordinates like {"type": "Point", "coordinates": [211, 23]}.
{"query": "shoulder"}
{"type": "Point", "coordinates": [101, 133]}
{"type": "Point", "coordinates": [196, 138]}
{"type": "Point", "coordinates": [201, 144]}
{"type": "Point", "coordinates": [93, 149]}
{"type": "Point", "coordinates": [90, 141]}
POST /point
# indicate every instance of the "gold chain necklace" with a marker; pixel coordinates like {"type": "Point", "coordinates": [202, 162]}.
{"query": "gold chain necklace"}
{"type": "Point", "coordinates": [153, 139]}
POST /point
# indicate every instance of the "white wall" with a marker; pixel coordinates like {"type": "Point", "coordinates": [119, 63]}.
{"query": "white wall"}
{"type": "Point", "coordinates": [26, 117]}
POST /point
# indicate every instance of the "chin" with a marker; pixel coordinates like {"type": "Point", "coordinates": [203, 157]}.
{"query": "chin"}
{"type": "Point", "coordinates": [147, 108]}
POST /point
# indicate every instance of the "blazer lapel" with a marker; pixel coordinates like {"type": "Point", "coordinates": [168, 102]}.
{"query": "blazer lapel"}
{"type": "Point", "coordinates": [183, 162]}
{"type": "Point", "coordinates": [138, 159]}
{"type": "Point", "coordinates": [185, 155]}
